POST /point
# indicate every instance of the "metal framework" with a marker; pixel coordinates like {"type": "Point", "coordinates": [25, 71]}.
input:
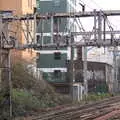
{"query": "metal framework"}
{"type": "Point", "coordinates": [8, 41]}
{"type": "Point", "coordinates": [98, 33]}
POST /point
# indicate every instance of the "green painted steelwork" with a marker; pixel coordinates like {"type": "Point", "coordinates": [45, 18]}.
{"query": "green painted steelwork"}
{"type": "Point", "coordinates": [44, 26]}
{"type": "Point", "coordinates": [48, 61]}
{"type": "Point", "coordinates": [53, 6]}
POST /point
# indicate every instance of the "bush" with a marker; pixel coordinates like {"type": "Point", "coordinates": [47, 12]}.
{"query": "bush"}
{"type": "Point", "coordinates": [97, 96]}
{"type": "Point", "coordinates": [4, 105]}
{"type": "Point", "coordinates": [30, 94]}
{"type": "Point", "coordinates": [24, 101]}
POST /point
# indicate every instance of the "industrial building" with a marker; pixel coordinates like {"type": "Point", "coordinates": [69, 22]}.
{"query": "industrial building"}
{"type": "Point", "coordinates": [62, 52]}
{"type": "Point", "coordinates": [20, 7]}
{"type": "Point", "coordinates": [55, 63]}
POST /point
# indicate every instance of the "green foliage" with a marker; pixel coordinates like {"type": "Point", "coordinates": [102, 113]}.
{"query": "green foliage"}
{"type": "Point", "coordinates": [29, 94]}
{"type": "Point", "coordinates": [97, 96]}
{"type": "Point", "coordinates": [25, 98]}
{"type": "Point", "coordinates": [21, 77]}
{"type": "Point", "coordinates": [24, 101]}
{"type": "Point", "coordinates": [4, 105]}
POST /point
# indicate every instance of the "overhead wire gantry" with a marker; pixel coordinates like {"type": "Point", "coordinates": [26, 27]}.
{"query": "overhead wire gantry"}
{"type": "Point", "coordinates": [9, 41]}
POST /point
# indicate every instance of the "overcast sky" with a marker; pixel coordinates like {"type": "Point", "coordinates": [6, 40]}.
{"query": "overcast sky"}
{"type": "Point", "coordinates": [103, 4]}
{"type": "Point", "coordinates": [88, 23]}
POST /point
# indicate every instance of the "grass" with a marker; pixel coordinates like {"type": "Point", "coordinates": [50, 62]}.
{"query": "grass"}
{"type": "Point", "coordinates": [96, 96]}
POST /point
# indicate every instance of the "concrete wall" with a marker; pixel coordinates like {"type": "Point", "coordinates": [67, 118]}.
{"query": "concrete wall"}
{"type": "Point", "coordinates": [28, 6]}
{"type": "Point", "coordinates": [98, 75]}
{"type": "Point", "coordinates": [15, 5]}
{"type": "Point", "coordinates": [19, 7]}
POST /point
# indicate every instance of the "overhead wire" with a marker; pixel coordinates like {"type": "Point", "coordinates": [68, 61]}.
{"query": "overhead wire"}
{"type": "Point", "coordinates": [86, 5]}
{"type": "Point", "coordinates": [101, 9]}
{"type": "Point", "coordinates": [110, 24]}
{"type": "Point", "coordinates": [81, 26]}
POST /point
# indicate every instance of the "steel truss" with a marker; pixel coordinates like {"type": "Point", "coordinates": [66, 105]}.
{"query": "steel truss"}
{"type": "Point", "coordinates": [9, 41]}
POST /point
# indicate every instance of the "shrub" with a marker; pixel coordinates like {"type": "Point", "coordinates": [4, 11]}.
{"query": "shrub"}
{"type": "Point", "coordinates": [24, 101]}
{"type": "Point", "coordinates": [30, 94]}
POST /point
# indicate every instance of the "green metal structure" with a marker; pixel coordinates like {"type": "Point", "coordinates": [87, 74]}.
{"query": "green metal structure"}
{"type": "Point", "coordinates": [53, 62]}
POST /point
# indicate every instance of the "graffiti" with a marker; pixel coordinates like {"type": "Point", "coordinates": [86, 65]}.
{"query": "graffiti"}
{"type": "Point", "coordinates": [91, 75]}
{"type": "Point", "coordinates": [95, 74]}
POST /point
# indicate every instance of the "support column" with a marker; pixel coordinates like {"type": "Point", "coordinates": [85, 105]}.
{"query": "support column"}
{"type": "Point", "coordinates": [115, 69]}
{"type": "Point", "coordinates": [0, 50]}
{"type": "Point", "coordinates": [42, 32]}
{"type": "Point", "coordinates": [99, 28]}
{"type": "Point", "coordinates": [5, 67]}
{"type": "Point", "coordinates": [52, 29]}
{"type": "Point", "coordinates": [104, 27]}
{"type": "Point", "coordinates": [95, 26]}
{"type": "Point", "coordinates": [5, 72]}
{"type": "Point", "coordinates": [85, 72]}
{"type": "Point", "coordinates": [72, 76]}
{"type": "Point", "coordinates": [35, 28]}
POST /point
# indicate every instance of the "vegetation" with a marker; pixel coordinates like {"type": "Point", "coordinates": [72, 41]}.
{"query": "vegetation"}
{"type": "Point", "coordinates": [29, 94]}
{"type": "Point", "coordinates": [97, 96]}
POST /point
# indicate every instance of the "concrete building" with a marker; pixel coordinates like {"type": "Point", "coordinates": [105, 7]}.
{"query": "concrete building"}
{"type": "Point", "coordinates": [19, 7]}
{"type": "Point", "coordinates": [53, 62]}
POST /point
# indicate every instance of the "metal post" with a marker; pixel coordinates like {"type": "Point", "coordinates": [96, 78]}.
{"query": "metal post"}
{"type": "Point", "coordinates": [115, 69]}
{"type": "Point", "coordinates": [99, 28]}
{"type": "Point", "coordinates": [104, 30]}
{"type": "Point", "coordinates": [27, 25]}
{"type": "Point", "coordinates": [95, 25]}
{"type": "Point", "coordinates": [35, 28]}
{"type": "Point", "coordinates": [5, 68]}
{"type": "Point", "coordinates": [10, 84]}
{"type": "Point", "coordinates": [58, 30]}
{"type": "Point", "coordinates": [85, 72]}
{"type": "Point", "coordinates": [42, 32]}
{"type": "Point", "coordinates": [52, 29]}
{"type": "Point", "coordinates": [72, 71]}
{"type": "Point", "coordinates": [8, 64]}
{"type": "Point", "coordinates": [104, 26]}
{"type": "Point", "coordinates": [72, 68]}
{"type": "Point", "coordinates": [0, 50]}
{"type": "Point", "coordinates": [78, 92]}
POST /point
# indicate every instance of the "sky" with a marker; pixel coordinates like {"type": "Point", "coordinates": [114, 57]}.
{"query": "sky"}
{"type": "Point", "coordinates": [88, 23]}
{"type": "Point", "coordinates": [105, 5]}
{"type": "Point", "coordinates": [102, 4]}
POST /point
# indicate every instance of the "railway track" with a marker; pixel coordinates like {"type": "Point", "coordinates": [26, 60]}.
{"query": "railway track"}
{"type": "Point", "coordinates": [83, 112]}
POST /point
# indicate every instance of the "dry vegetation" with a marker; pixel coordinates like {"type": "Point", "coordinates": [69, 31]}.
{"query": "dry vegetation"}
{"type": "Point", "coordinates": [29, 94]}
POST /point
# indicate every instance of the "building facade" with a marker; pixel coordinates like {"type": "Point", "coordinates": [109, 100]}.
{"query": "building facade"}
{"type": "Point", "coordinates": [19, 7]}
{"type": "Point", "coordinates": [53, 62]}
